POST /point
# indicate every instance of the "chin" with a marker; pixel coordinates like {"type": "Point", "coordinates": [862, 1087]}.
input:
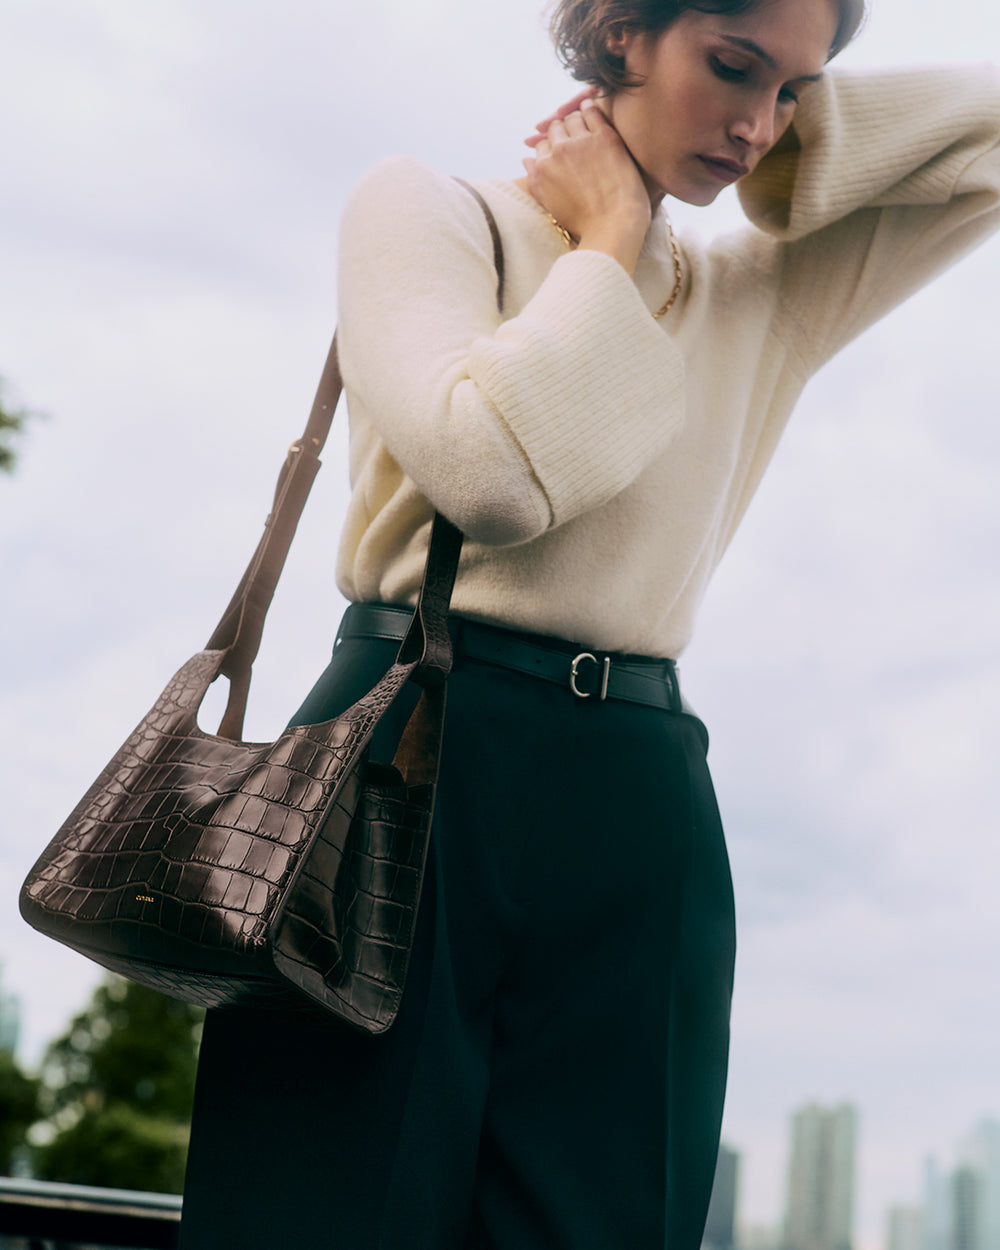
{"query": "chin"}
{"type": "Point", "coordinates": [698, 192]}
{"type": "Point", "coordinates": [698, 197]}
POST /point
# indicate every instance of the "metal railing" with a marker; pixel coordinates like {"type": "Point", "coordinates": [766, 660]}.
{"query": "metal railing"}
{"type": "Point", "coordinates": [47, 1214]}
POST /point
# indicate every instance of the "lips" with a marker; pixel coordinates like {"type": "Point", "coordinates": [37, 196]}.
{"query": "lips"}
{"type": "Point", "coordinates": [724, 168]}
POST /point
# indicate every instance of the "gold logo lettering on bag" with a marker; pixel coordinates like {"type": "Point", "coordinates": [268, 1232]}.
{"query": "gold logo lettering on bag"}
{"type": "Point", "coordinates": [144, 898]}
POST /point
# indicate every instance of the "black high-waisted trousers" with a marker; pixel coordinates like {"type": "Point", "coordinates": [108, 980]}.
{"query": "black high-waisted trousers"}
{"type": "Point", "coordinates": [555, 1078]}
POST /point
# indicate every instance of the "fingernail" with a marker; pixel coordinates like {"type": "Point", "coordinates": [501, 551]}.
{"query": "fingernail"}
{"type": "Point", "coordinates": [588, 103]}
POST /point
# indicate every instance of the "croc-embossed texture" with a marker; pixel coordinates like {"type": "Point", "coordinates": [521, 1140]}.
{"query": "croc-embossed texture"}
{"type": "Point", "coordinates": [286, 873]}
{"type": "Point", "coordinates": [223, 872]}
{"type": "Point", "coordinates": [226, 872]}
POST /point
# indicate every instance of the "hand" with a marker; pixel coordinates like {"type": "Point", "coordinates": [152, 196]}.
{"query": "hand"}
{"type": "Point", "coordinates": [561, 113]}
{"type": "Point", "coordinates": [584, 176]}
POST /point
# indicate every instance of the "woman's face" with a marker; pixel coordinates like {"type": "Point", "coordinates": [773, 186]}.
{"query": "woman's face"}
{"type": "Point", "coordinates": [717, 91]}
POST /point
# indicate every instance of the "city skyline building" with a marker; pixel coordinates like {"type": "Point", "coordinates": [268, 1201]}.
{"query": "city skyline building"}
{"type": "Point", "coordinates": [965, 1209]}
{"type": "Point", "coordinates": [720, 1223]}
{"type": "Point", "coordinates": [937, 1206]}
{"type": "Point", "coordinates": [906, 1228]}
{"type": "Point", "coordinates": [819, 1209]}
{"type": "Point", "coordinates": [10, 1021]}
{"type": "Point", "coordinates": [979, 1153]}
{"type": "Point", "coordinates": [962, 1205]}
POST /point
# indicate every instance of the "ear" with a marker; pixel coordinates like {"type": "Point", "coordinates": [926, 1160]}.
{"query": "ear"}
{"type": "Point", "coordinates": [623, 39]}
{"type": "Point", "coordinates": [620, 37]}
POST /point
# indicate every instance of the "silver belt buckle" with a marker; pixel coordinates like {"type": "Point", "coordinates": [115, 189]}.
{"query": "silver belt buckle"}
{"type": "Point", "coordinates": [574, 673]}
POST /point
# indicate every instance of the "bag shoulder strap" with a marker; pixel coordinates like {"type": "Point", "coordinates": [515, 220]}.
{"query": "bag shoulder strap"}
{"type": "Point", "coordinates": [241, 626]}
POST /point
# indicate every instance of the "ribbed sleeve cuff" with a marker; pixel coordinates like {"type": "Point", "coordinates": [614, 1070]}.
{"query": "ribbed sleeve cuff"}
{"type": "Point", "coordinates": [605, 384]}
{"type": "Point", "coordinates": [875, 140]}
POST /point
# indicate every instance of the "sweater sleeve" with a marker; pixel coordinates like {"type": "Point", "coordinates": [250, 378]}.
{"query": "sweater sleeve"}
{"type": "Point", "coordinates": [509, 427]}
{"type": "Point", "coordinates": [886, 179]}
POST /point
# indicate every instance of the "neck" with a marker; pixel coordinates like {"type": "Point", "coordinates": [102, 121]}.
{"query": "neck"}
{"type": "Point", "coordinates": [656, 193]}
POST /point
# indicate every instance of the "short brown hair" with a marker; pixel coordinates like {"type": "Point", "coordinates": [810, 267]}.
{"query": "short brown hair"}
{"type": "Point", "coordinates": [580, 30]}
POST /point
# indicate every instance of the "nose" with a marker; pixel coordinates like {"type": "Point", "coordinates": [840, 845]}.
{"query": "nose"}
{"type": "Point", "coordinates": [756, 127]}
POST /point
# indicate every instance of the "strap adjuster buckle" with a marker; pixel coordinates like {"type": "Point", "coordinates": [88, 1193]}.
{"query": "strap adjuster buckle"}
{"type": "Point", "coordinates": [574, 673]}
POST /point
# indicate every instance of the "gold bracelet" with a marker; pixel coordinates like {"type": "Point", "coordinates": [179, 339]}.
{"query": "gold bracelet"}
{"type": "Point", "coordinates": [567, 237]}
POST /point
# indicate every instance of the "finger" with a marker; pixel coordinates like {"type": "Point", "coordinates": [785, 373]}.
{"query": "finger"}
{"type": "Point", "coordinates": [531, 170]}
{"type": "Point", "coordinates": [587, 118]}
{"type": "Point", "coordinates": [573, 106]}
{"type": "Point", "coordinates": [556, 133]}
{"type": "Point", "coordinates": [593, 117]}
{"type": "Point", "coordinates": [544, 127]}
{"type": "Point", "coordinates": [576, 124]}
{"type": "Point", "coordinates": [564, 110]}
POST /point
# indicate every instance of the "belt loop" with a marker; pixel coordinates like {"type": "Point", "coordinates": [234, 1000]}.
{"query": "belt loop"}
{"type": "Point", "coordinates": [675, 689]}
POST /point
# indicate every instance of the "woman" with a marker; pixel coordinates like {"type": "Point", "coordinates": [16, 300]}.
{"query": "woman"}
{"type": "Point", "coordinates": [555, 1079]}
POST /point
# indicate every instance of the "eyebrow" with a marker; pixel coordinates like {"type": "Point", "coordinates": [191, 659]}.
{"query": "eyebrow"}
{"type": "Point", "coordinates": [748, 45]}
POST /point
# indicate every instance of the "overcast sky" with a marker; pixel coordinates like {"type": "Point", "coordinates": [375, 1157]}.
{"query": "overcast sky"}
{"type": "Point", "coordinates": [173, 175]}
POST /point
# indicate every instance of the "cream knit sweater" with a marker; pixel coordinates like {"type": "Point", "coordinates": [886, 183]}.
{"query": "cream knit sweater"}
{"type": "Point", "coordinates": [599, 460]}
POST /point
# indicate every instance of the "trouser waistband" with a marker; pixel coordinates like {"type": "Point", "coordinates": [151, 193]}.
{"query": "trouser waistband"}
{"type": "Point", "coordinates": [585, 672]}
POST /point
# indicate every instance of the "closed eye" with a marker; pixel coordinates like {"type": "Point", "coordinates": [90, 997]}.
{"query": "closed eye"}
{"type": "Point", "coordinates": [728, 73]}
{"type": "Point", "coordinates": [739, 73]}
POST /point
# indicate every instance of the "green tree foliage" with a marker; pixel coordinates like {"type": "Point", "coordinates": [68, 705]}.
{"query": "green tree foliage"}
{"type": "Point", "coordinates": [12, 423]}
{"type": "Point", "coordinates": [18, 1109]}
{"type": "Point", "coordinates": [18, 1092]}
{"type": "Point", "coordinates": [118, 1090]}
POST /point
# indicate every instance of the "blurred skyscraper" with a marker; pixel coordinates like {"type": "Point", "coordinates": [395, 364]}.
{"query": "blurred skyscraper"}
{"type": "Point", "coordinates": [720, 1226]}
{"type": "Point", "coordinates": [961, 1208]}
{"type": "Point", "coordinates": [937, 1207]}
{"type": "Point", "coordinates": [819, 1211]}
{"type": "Point", "coordinates": [977, 1194]}
{"type": "Point", "coordinates": [10, 1021]}
{"type": "Point", "coordinates": [907, 1230]}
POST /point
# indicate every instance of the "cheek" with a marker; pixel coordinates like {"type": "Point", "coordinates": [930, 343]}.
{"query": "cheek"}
{"type": "Point", "coordinates": [704, 105]}
{"type": "Point", "coordinates": [691, 105]}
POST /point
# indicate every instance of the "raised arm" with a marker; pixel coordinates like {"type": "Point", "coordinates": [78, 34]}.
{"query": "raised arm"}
{"type": "Point", "coordinates": [508, 428]}
{"type": "Point", "coordinates": [886, 180]}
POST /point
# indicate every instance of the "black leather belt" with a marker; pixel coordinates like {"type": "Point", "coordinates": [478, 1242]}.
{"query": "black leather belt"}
{"type": "Point", "coordinates": [585, 672]}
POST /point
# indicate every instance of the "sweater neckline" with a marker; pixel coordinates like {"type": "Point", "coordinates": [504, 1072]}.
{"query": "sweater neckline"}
{"type": "Point", "coordinates": [652, 245]}
{"type": "Point", "coordinates": [510, 188]}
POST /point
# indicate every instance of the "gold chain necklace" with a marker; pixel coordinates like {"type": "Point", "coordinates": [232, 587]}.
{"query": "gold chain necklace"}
{"type": "Point", "coordinates": [674, 253]}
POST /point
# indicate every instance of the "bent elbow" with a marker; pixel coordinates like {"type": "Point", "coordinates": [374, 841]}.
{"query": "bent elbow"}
{"type": "Point", "coordinates": [503, 522]}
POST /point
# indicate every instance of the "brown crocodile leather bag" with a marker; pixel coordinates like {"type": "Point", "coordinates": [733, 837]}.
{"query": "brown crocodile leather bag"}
{"type": "Point", "coordinates": [224, 872]}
